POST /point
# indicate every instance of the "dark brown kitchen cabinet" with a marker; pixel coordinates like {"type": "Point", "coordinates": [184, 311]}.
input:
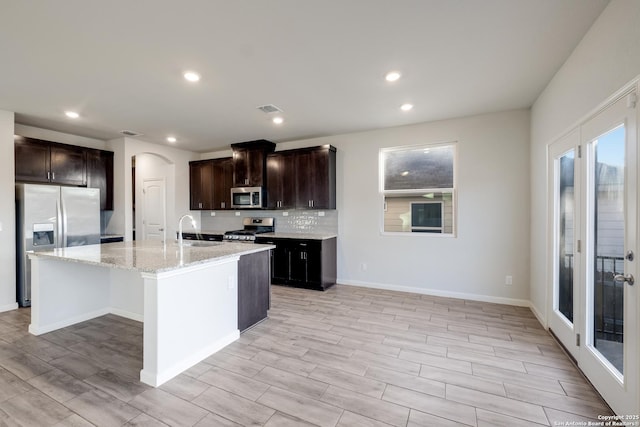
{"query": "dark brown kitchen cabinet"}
{"type": "Point", "coordinates": [249, 162]}
{"type": "Point", "coordinates": [222, 182]}
{"type": "Point", "coordinates": [316, 178]}
{"type": "Point", "coordinates": [305, 263]}
{"type": "Point", "coordinates": [281, 180]}
{"type": "Point", "coordinates": [49, 162]}
{"type": "Point", "coordinates": [302, 179]}
{"type": "Point", "coordinates": [254, 289]}
{"type": "Point", "coordinates": [100, 175]}
{"type": "Point", "coordinates": [201, 185]}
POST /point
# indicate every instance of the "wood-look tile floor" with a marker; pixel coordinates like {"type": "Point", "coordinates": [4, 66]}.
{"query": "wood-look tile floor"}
{"type": "Point", "coordinates": [345, 357]}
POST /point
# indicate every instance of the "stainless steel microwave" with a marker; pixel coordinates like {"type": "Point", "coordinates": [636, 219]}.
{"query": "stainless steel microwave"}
{"type": "Point", "coordinates": [246, 197]}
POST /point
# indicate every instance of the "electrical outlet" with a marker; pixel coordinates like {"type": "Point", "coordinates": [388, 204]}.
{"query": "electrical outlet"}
{"type": "Point", "coordinates": [237, 213]}
{"type": "Point", "coordinates": [320, 213]}
{"type": "Point", "coordinates": [285, 213]}
{"type": "Point", "coordinates": [231, 282]}
{"type": "Point", "coordinates": [213, 213]}
{"type": "Point", "coordinates": [0, 226]}
{"type": "Point", "coordinates": [363, 266]}
{"type": "Point", "coordinates": [508, 280]}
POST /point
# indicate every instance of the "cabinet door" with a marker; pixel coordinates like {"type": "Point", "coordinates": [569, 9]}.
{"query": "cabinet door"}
{"type": "Point", "coordinates": [68, 165]}
{"type": "Point", "coordinates": [306, 263]}
{"type": "Point", "coordinates": [256, 166]}
{"type": "Point", "coordinates": [315, 178]}
{"type": "Point", "coordinates": [274, 181]}
{"type": "Point", "coordinates": [100, 175]}
{"type": "Point", "coordinates": [201, 185]}
{"type": "Point", "coordinates": [240, 167]}
{"type": "Point", "coordinates": [32, 160]}
{"type": "Point", "coordinates": [281, 181]}
{"type": "Point", "coordinates": [222, 183]}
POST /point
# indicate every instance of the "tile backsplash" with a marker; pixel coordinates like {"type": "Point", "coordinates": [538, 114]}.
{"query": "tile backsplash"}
{"type": "Point", "coordinates": [296, 221]}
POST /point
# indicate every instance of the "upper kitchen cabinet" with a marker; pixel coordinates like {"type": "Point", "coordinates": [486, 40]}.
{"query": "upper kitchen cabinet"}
{"type": "Point", "coordinates": [201, 184]}
{"type": "Point", "coordinates": [249, 162]}
{"type": "Point", "coordinates": [281, 180]}
{"type": "Point", "coordinates": [222, 182]}
{"type": "Point", "coordinates": [62, 164]}
{"type": "Point", "coordinates": [316, 178]}
{"type": "Point", "coordinates": [44, 161]}
{"type": "Point", "coordinates": [302, 179]}
{"type": "Point", "coordinates": [100, 175]}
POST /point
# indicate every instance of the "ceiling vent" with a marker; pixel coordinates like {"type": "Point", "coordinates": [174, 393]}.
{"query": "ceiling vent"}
{"type": "Point", "coordinates": [130, 133]}
{"type": "Point", "coordinates": [269, 108]}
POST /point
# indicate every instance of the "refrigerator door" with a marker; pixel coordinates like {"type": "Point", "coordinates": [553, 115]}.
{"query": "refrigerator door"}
{"type": "Point", "coordinates": [37, 211]}
{"type": "Point", "coordinates": [80, 216]}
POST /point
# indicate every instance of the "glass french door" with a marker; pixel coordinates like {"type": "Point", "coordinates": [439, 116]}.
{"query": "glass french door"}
{"type": "Point", "coordinates": [594, 184]}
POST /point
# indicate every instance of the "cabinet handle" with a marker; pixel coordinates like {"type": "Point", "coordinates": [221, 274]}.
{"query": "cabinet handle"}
{"type": "Point", "coordinates": [222, 205]}
{"type": "Point", "coordinates": [309, 203]}
{"type": "Point", "coordinates": [246, 181]}
{"type": "Point", "coordinates": [48, 176]}
{"type": "Point", "coordinates": [200, 205]}
{"type": "Point", "coordinates": [53, 176]}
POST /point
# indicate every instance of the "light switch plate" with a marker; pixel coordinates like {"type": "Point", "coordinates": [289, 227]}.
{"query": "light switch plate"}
{"type": "Point", "coordinates": [237, 213]}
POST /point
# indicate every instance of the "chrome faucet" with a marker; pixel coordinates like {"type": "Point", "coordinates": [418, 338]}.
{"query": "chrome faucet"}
{"type": "Point", "coordinates": [193, 223]}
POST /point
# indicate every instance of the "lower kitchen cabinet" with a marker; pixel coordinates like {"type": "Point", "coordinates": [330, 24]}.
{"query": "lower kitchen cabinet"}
{"type": "Point", "coordinates": [254, 289]}
{"type": "Point", "coordinates": [303, 263]}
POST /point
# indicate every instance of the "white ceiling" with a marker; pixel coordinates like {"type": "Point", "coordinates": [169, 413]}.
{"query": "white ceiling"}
{"type": "Point", "coordinates": [119, 63]}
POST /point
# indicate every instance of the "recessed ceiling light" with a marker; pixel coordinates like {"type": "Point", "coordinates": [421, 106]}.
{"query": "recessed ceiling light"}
{"type": "Point", "coordinates": [192, 76]}
{"type": "Point", "coordinates": [277, 120]}
{"type": "Point", "coordinates": [392, 76]}
{"type": "Point", "coordinates": [171, 139]}
{"type": "Point", "coordinates": [71, 114]}
{"type": "Point", "coordinates": [406, 107]}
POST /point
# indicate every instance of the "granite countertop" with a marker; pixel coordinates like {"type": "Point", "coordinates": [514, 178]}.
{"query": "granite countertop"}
{"type": "Point", "coordinates": [304, 236]}
{"type": "Point", "coordinates": [209, 232]}
{"type": "Point", "coordinates": [150, 256]}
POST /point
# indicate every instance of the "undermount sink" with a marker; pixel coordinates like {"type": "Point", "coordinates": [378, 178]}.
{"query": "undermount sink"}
{"type": "Point", "coordinates": [200, 243]}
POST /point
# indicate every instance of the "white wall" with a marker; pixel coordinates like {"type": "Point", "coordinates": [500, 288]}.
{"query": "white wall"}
{"type": "Point", "coordinates": [493, 211]}
{"type": "Point", "coordinates": [177, 189]}
{"type": "Point", "coordinates": [7, 214]}
{"type": "Point", "coordinates": [605, 60]}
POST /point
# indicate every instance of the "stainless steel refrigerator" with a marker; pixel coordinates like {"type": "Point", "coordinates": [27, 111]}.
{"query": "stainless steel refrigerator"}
{"type": "Point", "coordinates": [48, 217]}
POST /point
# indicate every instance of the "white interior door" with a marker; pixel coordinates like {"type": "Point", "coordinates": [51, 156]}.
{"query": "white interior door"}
{"type": "Point", "coordinates": [154, 217]}
{"type": "Point", "coordinates": [593, 184]}
{"type": "Point", "coordinates": [609, 298]}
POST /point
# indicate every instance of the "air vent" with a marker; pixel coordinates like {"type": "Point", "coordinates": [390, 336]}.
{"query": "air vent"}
{"type": "Point", "coordinates": [130, 133]}
{"type": "Point", "coordinates": [269, 108]}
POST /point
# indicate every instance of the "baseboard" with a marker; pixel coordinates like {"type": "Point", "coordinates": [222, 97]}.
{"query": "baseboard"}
{"type": "Point", "coordinates": [127, 314]}
{"type": "Point", "coordinates": [8, 307]}
{"type": "Point", "coordinates": [43, 329]}
{"type": "Point", "coordinates": [541, 318]}
{"type": "Point", "coordinates": [439, 293]}
{"type": "Point", "coordinates": [157, 379]}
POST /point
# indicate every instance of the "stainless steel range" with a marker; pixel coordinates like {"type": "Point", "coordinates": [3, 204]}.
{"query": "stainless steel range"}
{"type": "Point", "coordinates": [252, 226]}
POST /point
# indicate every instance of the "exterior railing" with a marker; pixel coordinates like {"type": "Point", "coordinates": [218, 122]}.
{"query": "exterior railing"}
{"type": "Point", "coordinates": [608, 295]}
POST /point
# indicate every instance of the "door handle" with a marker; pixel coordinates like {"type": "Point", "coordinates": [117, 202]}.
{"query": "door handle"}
{"type": "Point", "coordinates": [624, 278]}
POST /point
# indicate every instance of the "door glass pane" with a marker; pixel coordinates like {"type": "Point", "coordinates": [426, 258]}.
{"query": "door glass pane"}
{"type": "Point", "coordinates": [565, 235]}
{"type": "Point", "coordinates": [609, 245]}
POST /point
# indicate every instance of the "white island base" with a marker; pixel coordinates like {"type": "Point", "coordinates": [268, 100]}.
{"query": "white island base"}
{"type": "Point", "coordinates": [188, 312]}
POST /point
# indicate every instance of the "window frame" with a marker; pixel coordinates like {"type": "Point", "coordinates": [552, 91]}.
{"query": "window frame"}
{"type": "Point", "coordinates": [383, 195]}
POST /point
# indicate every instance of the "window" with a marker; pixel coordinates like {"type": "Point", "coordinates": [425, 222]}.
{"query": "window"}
{"type": "Point", "coordinates": [417, 184]}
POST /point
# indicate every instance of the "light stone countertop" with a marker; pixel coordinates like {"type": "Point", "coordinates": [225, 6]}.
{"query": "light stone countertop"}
{"type": "Point", "coordinates": [150, 256]}
{"type": "Point", "coordinates": [303, 236]}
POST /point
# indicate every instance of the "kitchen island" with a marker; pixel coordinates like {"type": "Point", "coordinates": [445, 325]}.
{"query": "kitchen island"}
{"type": "Point", "coordinates": [186, 295]}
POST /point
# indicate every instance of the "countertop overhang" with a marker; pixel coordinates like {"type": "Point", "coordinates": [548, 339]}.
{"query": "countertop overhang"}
{"type": "Point", "coordinates": [150, 256]}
